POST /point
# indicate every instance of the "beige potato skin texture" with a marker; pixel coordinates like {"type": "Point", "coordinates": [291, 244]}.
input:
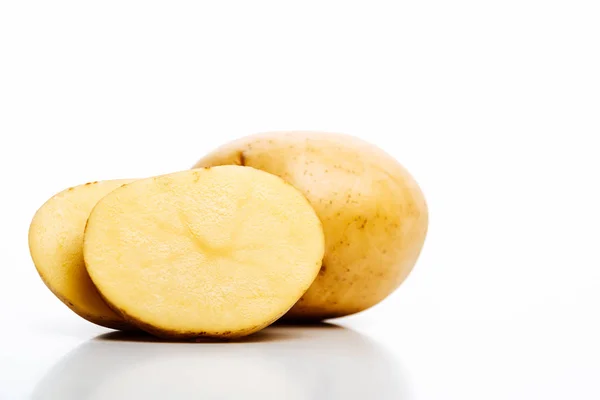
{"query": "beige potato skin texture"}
{"type": "Point", "coordinates": [56, 246]}
{"type": "Point", "coordinates": [373, 212]}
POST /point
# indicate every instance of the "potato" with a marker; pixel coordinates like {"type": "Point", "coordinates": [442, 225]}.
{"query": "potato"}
{"type": "Point", "coordinates": [373, 212]}
{"type": "Point", "coordinates": [55, 244]}
{"type": "Point", "coordinates": [219, 252]}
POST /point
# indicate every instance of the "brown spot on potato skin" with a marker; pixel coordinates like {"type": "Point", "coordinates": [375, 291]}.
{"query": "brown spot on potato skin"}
{"type": "Point", "coordinates": [323, 269]}
{"type": "Point", "coordinates": [241, 158]}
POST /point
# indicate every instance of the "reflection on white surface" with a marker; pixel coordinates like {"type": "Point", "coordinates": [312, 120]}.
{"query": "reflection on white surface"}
{"type": "Point", "coordinates": [320, 362]}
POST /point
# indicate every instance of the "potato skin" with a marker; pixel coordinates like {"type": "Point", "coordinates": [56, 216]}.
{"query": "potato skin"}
{"type": "Point", "coordinates": [55, 237]}
{"type": "Point", "coordinates": [373, 212]}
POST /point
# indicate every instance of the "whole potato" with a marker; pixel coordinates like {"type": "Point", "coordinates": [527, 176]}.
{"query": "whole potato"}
{"type": "Point", "coordinates": [374, 214]}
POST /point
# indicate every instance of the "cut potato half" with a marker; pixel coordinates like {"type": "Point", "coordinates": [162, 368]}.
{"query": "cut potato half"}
{"type": "Point", "coordinates": [216, 252]}
{"type": "Point", "coordinates": [56, 247]}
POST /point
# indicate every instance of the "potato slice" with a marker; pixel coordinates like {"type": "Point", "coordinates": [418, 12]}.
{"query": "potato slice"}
{"type": "Point", "coordinates": [218, 252]}
{"type": "Point", "coordinates": [56, 247]}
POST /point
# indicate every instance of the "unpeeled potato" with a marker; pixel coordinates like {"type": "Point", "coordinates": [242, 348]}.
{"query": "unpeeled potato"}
{"type": "Point", "coordinates": [373, 213]}
{"type": "Point", "coordinates": [56, 247]}
{"type": "Point", "coordinates": [218, 252]}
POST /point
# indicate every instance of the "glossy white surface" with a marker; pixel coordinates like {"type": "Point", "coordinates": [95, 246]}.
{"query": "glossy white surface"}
{"type": "Point", "coordinates": [326, 361]}
{"type": "Point", "coordinates": [279, 363]}
{"type": "Point", "coordinates": [413, 357]}
{"type": "Point", "coordinates": [491, 105]}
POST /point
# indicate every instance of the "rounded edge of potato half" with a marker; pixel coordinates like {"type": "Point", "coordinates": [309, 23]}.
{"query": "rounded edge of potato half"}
{"type": "Point", "coordinates": [374, 214]}
{"type": "Point", "coordinates": [55, 239]}
{"type": "Point", "coordinates": [210, 226]}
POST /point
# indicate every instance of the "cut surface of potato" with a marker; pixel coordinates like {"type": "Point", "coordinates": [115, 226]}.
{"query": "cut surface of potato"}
{"type": "Point", "coordinates": [218, 252]}
{"type": "Point", "coordinates": [373, 212]}
{"type": "Point", "coordinates": [56, 247]}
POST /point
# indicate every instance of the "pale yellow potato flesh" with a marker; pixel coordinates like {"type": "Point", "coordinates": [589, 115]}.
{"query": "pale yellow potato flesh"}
{"type": "Point", "coordinates": [56, 247]}
{"type": "Point", "coordinates": [373, 212]}
{"type": "Point", "coordinates": [218, 252]}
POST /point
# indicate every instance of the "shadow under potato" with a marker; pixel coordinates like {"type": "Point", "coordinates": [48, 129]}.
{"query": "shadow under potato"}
{"type": "Point", "coordinates": [269, 334]}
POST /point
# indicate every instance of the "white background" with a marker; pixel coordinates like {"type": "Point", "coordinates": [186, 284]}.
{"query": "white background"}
{"type": "Point", "coordinates": [494, 106]}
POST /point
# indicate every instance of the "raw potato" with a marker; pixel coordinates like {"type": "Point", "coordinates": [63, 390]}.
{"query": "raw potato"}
{"type": "Point", "coordinates": [56, 246]}
{"type": "Point", "coordinates": [219, 252]}
{"type": "Point", "coordinates": [373, 212]}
